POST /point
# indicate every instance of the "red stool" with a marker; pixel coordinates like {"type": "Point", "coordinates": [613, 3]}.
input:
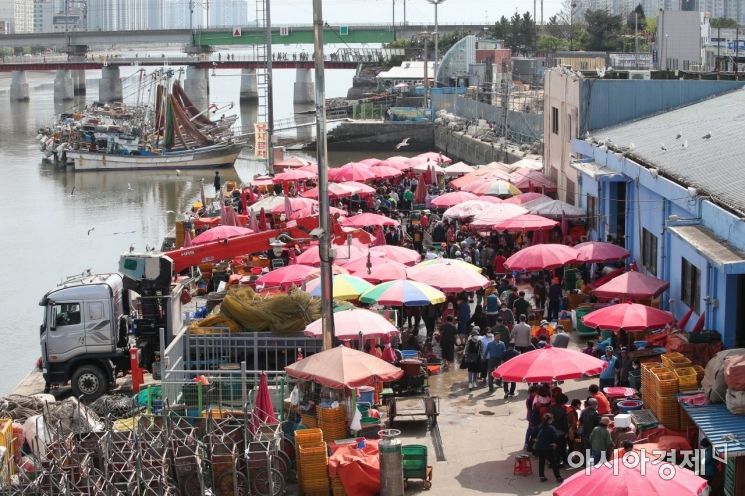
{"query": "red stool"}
{"type": "Point", "coordinates": [523, 466]}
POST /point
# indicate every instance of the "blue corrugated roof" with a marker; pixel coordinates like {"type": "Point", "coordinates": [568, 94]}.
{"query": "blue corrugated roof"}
{"type": "Point", "coordinates": [723, 428]}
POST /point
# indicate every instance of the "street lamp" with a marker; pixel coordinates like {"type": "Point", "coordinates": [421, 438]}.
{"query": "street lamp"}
{"type": "Point", "coordinates": [437, 39]}
{"type": "Point", "coordinates": [571, 25]}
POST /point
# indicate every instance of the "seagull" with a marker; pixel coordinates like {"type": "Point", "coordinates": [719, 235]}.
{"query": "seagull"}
{"type": "Point", "coordinates": [131, 248]}
{"type": "Point", "coordinates": [91, 230]}
{"type": "Point", "coordinates": [129, 187]}
{"type": "Point", "coordinates": [178, 172]}
{"type": "Point", "coordinates": [707, 135]}
{"type": "Point", "coordinates": [684, 145]}
{"type": "Point", "coordinates": [663, 147]}
{"type": "Point", "coordinates": [404, 143]}
{"type": "Point", "coordinates": [679, 135]}
{"type": "Point", "coordinates": [72, 193]}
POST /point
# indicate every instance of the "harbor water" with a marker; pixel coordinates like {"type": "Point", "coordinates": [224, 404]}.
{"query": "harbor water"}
{"type": "Point", "coordinates": [56, 223]}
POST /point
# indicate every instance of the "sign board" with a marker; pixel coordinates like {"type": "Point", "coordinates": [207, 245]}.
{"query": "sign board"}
{"type": "Point", "coordinates": [260, 143]}
{"type": "Point", "coordinates": [343, 30]}
{"type": "Point", "coordinates": [284, 31]}
{"type": "Point", "coordinates": [237, 33]}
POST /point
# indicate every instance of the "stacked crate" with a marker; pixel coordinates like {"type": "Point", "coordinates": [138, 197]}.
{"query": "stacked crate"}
{"type": "Point", "coordinates": [662, 381]}
{"type": "Point", "coordinates": [337, 488]}
{"type": "Point", "coordinates": [333, 423]}
{"type": "Point", "coordinates": [312, 462]}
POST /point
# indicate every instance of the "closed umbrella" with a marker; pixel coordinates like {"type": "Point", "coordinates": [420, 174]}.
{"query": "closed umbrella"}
{"type": "Point", "coordinates": [376, 269]}
{"type": "Point", "coordinates": [343, 367]}
{"type": "Point", "coordinates": [353, 323]}
{"type": "Point", "coordinates": [629, 317]}
{"type": "Point", "coordinates": [453, 198]}
{"type": "Point", "coordinates": [253, 223]}
{"type": "Point", "coordinates": [187, 239]}
{"type": "Point", "coordinates": [263, 411]}
{"type": "Point", "coordinates": [549, 364]}
{"type": "Point", "coordinates": [634, 477]}
{"type": "Point", "coordinates": [448, 277]}
{"type": "Point", "coordinates": [288, 208]}
{"type": "Point", "coordinates": [403, 293]}
{"type": "Point", "coordinates": [284, 277]}
{"type": "Point", "coordinates": [400, 254]}
{"type": "Point", "coordinates": [262, 220]}
{"type": "Point", "coordinates": [543, 256]}
{"type": "Point", "coordinates": [219, 233]}
{"type": "Point", "coordinates": [369, 219]}
{"type": "Point", "coordinates": [598, 251]}
{"type": "Point", "coordinates": [633, 286]}
{"type": "Point", "coordinates": [345, 287]}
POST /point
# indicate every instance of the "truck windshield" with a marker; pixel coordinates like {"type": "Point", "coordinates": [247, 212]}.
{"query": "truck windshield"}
{"type": "Point", "coordinates": [67, 314]}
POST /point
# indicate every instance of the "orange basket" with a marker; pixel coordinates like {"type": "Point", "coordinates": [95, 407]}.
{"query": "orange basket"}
{"type": "Point", "coordinates": [675, 360]}
{"type": "Point", "coordinates": [308, 420]}
{"type": "Point", "coordinates": [308, 436]}
{"type": "Point", "coordinates": [687, 378]}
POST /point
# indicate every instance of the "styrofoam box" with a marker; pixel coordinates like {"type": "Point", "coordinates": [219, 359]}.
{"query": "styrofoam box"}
{"type": "Point", "coordinates": [622, 420]}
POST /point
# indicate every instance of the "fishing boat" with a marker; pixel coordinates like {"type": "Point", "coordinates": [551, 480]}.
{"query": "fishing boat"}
{"type": "Point", "coordinates": [170, 134]}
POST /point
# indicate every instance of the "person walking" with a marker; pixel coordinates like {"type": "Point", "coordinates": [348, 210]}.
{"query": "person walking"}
{"type": "Point", "coordinates": [509, 354]}
{"type": "Point", "coordinates": [589, 418]}
{"type": "Point", "coordinates": [472, 357]}
{"type": "Point", "coordinates": [558, 409]}
{"type": "Point", "coordinates": [217, 183]}
{"type": "Point", "coordinates": [608, 374]}
{"type": "Point", "coordinates": [601, 443]}
{"type": "Point", "coordinates": [464, 315]}
{"type": "Point", "coordinates": [447, 341]}
{"type": "Point", "coordinates": [485, 338]}
{"type": "Point", "coordinates": [495, 351]}
{"type": "Point", "coordinates": [521, 305]}
{"type": "Point", "coordinates": [545, 447]}
{"type": "Point", "coordinates": [492, 308]}
{"type": "Point", "coordinates": [561, 338]}
{"type": "Point", "coordinates": [520, 335]}
{"type": "Point", "coordinates": [554, 299]}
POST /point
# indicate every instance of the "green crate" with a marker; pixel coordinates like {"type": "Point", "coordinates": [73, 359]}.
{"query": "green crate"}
{"type": "Point", "coordinates": [414, 461]}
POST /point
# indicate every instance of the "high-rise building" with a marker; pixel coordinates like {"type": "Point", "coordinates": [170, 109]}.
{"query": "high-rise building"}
{"type": "Point", "coordinates": [23, 16]}
{"type": "Point", "coordinates": [43, 16]}
{"type": "Point", "coordinates": [228, 13]}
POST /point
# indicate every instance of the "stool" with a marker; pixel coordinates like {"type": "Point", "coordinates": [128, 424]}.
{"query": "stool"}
{"type": "Point", "coordinates": [523, 466]}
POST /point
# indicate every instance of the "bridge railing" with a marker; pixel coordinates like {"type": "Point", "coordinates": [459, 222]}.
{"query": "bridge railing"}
{"type": "Point", "coordinates": [32, 59]}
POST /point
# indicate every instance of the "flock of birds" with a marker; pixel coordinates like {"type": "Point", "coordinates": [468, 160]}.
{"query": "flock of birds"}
{"type": "Point", "coordinates": [684, 144]}
{"type": "Point", "coordinates": [607, 143]}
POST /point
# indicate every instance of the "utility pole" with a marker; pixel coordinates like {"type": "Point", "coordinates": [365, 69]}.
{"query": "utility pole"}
{"type": "Point", "coordinates": [191, 15]}
{"type": "Point", "coordinates": [572, 6]}
{"type": "Point", "coordinates": [636, 39]}
{"type": "Point", "coordinates": [393, 18]}
{"type": "Point", "coordinates": [437, 40]}
{"type": "Point", "coordinates": [425, 36]}
{"type": "Point", "coordinates": [404, 12]}
{"type": "Point", "coordinates": [269, 92]}
{"type": "Point", "coordinates": [324, 247]}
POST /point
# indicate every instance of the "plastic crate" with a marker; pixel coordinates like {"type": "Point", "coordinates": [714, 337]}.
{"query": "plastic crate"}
{"type": "Point", "coordinates": [644, 419]}
{"type": "Point", "coordinates": [414, 460]}
{"type": "Point", "coordinates": [308, 420]}
{"type": "Point", "coordinates": [687, 378]}
{"type": "Point", "coordinates": [337, 488]}
{"type": "Point", "coordinates": [675, 360]}
{"type": "Point", "coordinates": [6, 441]}
{"type": "Point", "coordinates": [308, 436]}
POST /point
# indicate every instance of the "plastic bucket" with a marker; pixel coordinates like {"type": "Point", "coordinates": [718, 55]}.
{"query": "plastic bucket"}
{"type": "Point", "coordinates": [627, 406]}
{"type": "Point", "coordinates": [366, 395]}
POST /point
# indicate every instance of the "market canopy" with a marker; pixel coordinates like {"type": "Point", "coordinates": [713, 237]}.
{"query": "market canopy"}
{"type": "Point", "coordinates": [219, 233]}
{"type": "Point", "coordinates": [453, 198]}
{"type": "Point", "coordinates": [448, 277]}
{"type": "Point", "coordinates": [524, 198]}
{"type": "Point", "coordinates": [403, 293]}
{"type": "Point", "coordinates": [524, 222]}
{"type": "Point", "coordinates": [549, 364]}
{"type": "Point", "coordinates": [598, 251]}
{"type": "Point", "coordinates": [350, 324]}
{"type": "Point", "coordinates": [632, 285]}
{"type": "Point", "coordinates": [369, 219]}
{"type": "Point", "coordinates": [553, 208]}
{"type": "Point", "coordinates": [343, 367]}
{"type": "Point", "coordinates": [634, 477]}
{"type": "Point", "coordinates": [629, 317]}
{"type": "Point", "coordinates": [542, 256]}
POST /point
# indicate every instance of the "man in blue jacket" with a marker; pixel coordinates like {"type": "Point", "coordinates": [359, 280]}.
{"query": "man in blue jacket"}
{"type": "Point", "coordinates": [494, 353]}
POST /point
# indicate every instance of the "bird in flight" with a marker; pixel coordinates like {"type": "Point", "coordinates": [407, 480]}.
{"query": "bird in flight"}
{"type": "Point", "coordinates": [72, 193]}
{"type": "Point", "coordinates": [679, 135]}
{"type": "Point", "coordinates": [129, 187]}
{"type": "Point", "coordinates": [663, 147]}
{"type": "Point", "coordinates": [178, 172]}
{"type": "Point", "coordinates": [404, 143]}
{"type": "Point", "coordinates": [707, 135]}
{"type": "Point", "coordinates": [91, 230]}
{"type": "Point", "coordinates": [684, 145]}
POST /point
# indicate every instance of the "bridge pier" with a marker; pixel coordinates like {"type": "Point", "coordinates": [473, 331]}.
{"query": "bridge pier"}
{"type": "Point", "coordinates": [18, 87]}
{"type": "Point", "coordinates": [249, 86]}
{"type": "Point", "coordinates": [197, 87]}
{"type": "Point", "coordinates": [63, 85]}
{"type": "Point", "coordinates": [304, 90]}
{"type": "Point", "coordinates": [78, 82]}
{"type": "Point", "coordinates": [110, 87]}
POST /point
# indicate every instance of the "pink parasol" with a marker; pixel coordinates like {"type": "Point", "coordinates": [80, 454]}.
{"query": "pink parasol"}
{"type": "Point", "coordinates": [633, 286]}
{"type": "Point", "coordinates": [335, 191]}
{"type": "Point", "coordinates": [385, 172]}
{"type": "Point", "coordinates": [530, 178]}
{"type": "Point", "coordinates": [343, 367]}
{"type": "Point", "coordinates": [525, 198]}
{"type": "Point", "coordinates": [372, 162]}
{"type": "Point", "coordinates": [434, 157]}
{"type": "Point", "coordinates": [628, 316]}
{"type": "Point", "coordinates": [353, 171]}
{"type": "Point", "coordinates": [284, 277]}
{"type": "Point", "coordinates": [524, 222]}
{"type": "Point", "coordinates": [291, 163]}
{"type": "Point", "coordinates": [353, 323]}
{"type": "Point", "coordinates": [598, 251]}
{"type": "Point", "coordinates": [496, 213]}
{"type": "Point", "coordinates": [543, 256]}
{"type": "Point", "coordinates": [359, 188]}
{"type": "Point", "coordinates": [369, 219]}
{"type": "Point", "coordinates": [399, 254]}
{"type": "Point", "coordinates": [379, 237]}
{"type": "Point", "coordinates": [427, 166]}
{"type": "Point", "coordinates": [312, 168]}
{"type": "Point", "coordinates": [312, 257]}
{"type": "Point", "coordinates": [376, 269]}
{"type": "Point", "coordinates": [474, 208]}
{"type": "Point", "coordinates": [313, 211]}
{"type": "Point", "coordinates": [293, 176]}
{"type": "Point", "coordinates": [293, 205]}
{"type": "Point", "coordinates": [448, 277]}
{"type": "Point", "coordinates": [219, 233]}
{"type": "Point", "coordinates": [398, 162]}
{"type": "Point", "coordinates": [454, 198]}
{"type": "Point", "coordinates": [263, 411]}
{"type": "Point", "coordinates": [458, 169]}
{"type": "Point", "coordinates": [549, 364]}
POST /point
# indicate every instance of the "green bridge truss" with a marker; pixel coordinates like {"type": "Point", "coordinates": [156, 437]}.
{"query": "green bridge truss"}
{"type": "Point", "coordinates": [293, 36]}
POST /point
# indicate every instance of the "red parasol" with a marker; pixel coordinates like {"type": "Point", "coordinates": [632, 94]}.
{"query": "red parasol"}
{"type": "Point", "coordinates": [284, 277]}
{"type": "Point", "coordinates": [598, 251]}
{"type": "Point", "coordinates": [549, 364]}
{"type": "Point", "coordinates": [369, 219]}
{"type": "Point", "coordinates": [629, 317]}
{"type": "Point", "coordinates": [219, 233]}
{"type": "Point", "coordinates": [543, 256]}
{"type": "Point", "coordinates": [343, 367]}
{"type": "Point", "coordinates": [380, 269]}
{"type": "Point", "coordinates": [292, 176]}
{"type": "Point", "coordinates": [633, 286]}
{"type": "Point", "coordinates": [524, 222]}
{"type": "Point", "coordinates": [454, 198]}
{"type": "Point", "coordinates": [379, 237]}
{"type": "Point", "coordinates": [398, 162]}
{"type": "Point", "coordinates": [353, 171]}
{"type": "Point", "coordinates": [385, 172]}
{"type": "Point", "coordinates": [263, 411]}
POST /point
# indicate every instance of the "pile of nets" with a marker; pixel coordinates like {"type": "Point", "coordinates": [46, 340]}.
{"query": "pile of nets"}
{"type": "Point", "coordinates": [115, 406]}
{"type": "Point", "coordinates": [19, 407]}
{"type": "Point", "coordinates": [244, 309]}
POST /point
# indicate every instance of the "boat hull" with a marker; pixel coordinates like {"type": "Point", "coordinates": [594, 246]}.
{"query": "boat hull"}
{"type": "Point", "coordinates": [207, 158]}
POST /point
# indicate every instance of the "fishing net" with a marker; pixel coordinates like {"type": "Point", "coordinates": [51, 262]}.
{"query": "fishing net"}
{"type": "Point", "coordinates": [71, 416]}
{"type": "Point", "coordinates": [244, 309]}
{"type": "Point", "coordinates": [20, 407]}
{"type": "Point", "coordinates": [115, 406]}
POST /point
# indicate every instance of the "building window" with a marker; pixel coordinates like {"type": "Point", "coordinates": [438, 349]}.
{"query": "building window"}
{"type": "Point", "coordinates": [649, 252]}
{"type": "Point", "coordinates": [690, 285]}
{"type": "Point", "coordinates": [570, 192]}
{"type": "Point", "coordinates": [592, 211]}
{"type": "Point", "coordinates": [554, 120]}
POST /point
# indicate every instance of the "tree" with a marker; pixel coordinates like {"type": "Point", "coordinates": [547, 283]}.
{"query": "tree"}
{"type": "Point", "coordinates": [723, 22]}
{"type": "Point", "coordinates": [518, 33]}
{"type": "Point", "coordinates": [604, 30]}
{"type": "Point", "coordinates": [550, 44]}
{"type": "Point", "coordinates": [636, 16]}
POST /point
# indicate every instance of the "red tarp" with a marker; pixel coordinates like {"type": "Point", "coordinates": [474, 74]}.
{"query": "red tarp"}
{"type": "Point", "coordinates": [358, 469]}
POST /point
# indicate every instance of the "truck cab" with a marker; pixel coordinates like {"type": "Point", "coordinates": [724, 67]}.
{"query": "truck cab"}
{"type": "Point", "coordinates": [81, 337]}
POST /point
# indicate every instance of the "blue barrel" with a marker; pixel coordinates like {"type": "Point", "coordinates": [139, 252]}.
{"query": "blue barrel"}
{"type": "Point", "coordinates": [367, 395]}
{"type": "Point", "coordinates": [627, 406]}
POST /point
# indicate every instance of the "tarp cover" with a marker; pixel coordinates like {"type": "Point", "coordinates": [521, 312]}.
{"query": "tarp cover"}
{"type": "Point", "coordinates": [358, 469]}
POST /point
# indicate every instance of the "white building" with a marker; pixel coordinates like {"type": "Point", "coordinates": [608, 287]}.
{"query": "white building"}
{"type": "Point", "coordinates": [43, 16]}
{"type": "Point", "coordinates": [681, 40]}
{"type": "Point", "coordinates": [224, 13]}
{"type": "Point", "coordinates": [23, 16]}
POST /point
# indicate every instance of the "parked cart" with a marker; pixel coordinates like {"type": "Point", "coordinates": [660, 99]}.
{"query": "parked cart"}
{"type": "Point", "coordinates": [415, 464]}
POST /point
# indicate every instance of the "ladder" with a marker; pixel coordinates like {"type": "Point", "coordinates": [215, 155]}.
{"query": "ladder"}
{"type": "Point", "coordinates": [263, 78]}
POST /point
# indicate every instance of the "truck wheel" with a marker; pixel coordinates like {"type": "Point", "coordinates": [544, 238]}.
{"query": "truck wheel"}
{"type": "Point", "coordinates": [89, 381]}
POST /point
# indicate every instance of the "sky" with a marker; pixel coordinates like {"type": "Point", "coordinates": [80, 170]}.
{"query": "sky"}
{"type": "Point", "coordinates": [417, 11]}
